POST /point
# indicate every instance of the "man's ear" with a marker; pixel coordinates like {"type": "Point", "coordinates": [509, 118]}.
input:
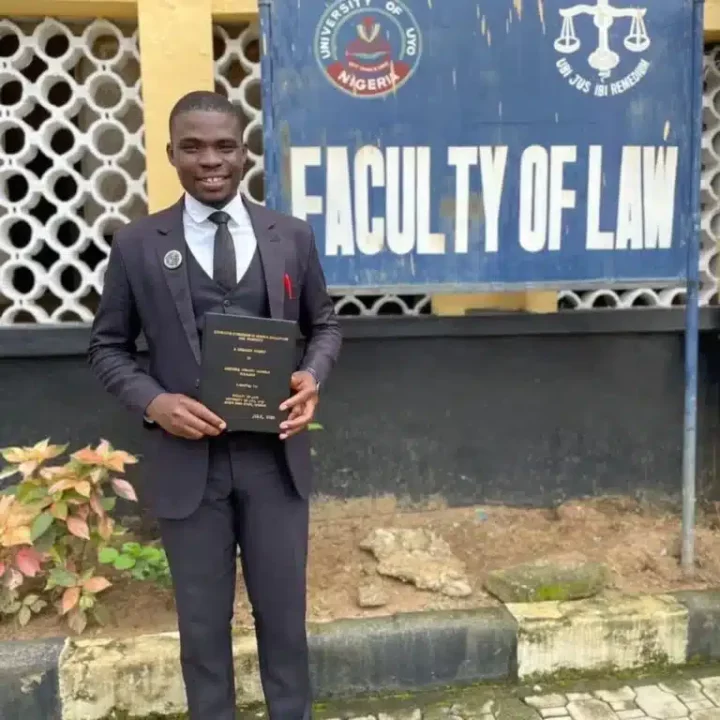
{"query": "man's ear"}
{"type": "Point", "coordinates": [169, 151]}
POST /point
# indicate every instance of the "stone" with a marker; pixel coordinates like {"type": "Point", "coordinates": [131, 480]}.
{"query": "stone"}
{"type": "Point", "coordinates": [561, 578]}
{"type": "Point", "coordinates": [590, 710]}
{"type": "Point", "coordinates": [546, 701]}
{"type": "Point", "coordinates": [553, 712]}
{"type": "Point", "coordinates": [624, 694]}
{"type": "Point", "coordinates": [419, 557]}
{"type": "Point", "coordinates": [371, 595]}
{"type": "Point", "coordinates": [630, 714]}
{"type": "Point", "coordinates": [659, 704]}
{"type": "Point", "coordinates": [578, 696]}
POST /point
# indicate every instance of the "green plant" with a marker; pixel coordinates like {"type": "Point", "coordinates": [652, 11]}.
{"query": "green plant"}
{"type": "Point", "coordinates": [52, 524]}
{"type": "Point", "coordinates": [141, 562]}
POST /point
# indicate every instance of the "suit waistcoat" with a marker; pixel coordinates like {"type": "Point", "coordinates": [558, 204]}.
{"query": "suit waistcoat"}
{"type": "Point", "coordinates": [248, 297]}
{"type": "Point", "coordinates": [247, 451]}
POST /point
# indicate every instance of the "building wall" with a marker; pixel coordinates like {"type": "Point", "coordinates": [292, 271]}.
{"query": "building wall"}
{"type": "Point", "coordinates": [480, 409]}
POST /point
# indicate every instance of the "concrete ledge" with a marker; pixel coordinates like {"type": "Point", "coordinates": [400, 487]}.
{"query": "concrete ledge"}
{"type": "Point", "coordinates": [600, 634]}
{"type": "Point", "coordinates": [703, 624]}
{"type": "Point", "coordinates": [83, 679]}
{"type": "Point", "coordinates": [415, 650]}
{"type": "Point", "coordinates": [139, 677]}
{"type": "Point", "coordinates": [29, 680]}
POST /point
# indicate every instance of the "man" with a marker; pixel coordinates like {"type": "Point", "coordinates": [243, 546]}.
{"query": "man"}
{"type": "Point", "coordinates": [213, 491]}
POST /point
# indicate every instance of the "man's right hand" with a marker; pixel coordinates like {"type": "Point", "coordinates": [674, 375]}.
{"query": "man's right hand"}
{"type": "Point", "coordinates": [184, 417]}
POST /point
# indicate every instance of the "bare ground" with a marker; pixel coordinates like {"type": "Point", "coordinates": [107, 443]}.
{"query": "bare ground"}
{"type": "Point", "coordinates": [639, 544]}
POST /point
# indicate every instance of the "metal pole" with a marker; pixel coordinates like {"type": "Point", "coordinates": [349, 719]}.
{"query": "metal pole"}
{"type": "Point", "coordinates": [270, 142]}
{"type": "Point", "coordinates": [687, 556]}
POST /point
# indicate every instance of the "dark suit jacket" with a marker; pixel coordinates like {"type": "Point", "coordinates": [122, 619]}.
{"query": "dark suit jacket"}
{"type": "Point", "coordinates": [142, 295]}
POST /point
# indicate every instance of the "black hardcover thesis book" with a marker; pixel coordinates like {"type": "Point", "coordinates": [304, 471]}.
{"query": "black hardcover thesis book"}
{"type": "Point", "coordinates": [246, 367]}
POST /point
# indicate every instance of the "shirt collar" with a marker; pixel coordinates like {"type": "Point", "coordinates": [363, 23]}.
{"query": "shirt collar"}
{"type": "Point", "coordinates": [200, 212]}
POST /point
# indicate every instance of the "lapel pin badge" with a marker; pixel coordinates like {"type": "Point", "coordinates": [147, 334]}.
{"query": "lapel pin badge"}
{"type": "Point", "coordinates": [172, 259]}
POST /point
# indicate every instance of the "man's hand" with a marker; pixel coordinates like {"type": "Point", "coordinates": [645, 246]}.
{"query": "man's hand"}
{"type": "Point", "coordinates": [184, 417]}
{"type": "Point", "coordinates": [301, 405]}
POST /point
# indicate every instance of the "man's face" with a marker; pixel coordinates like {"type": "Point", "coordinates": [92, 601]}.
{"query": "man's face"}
{"type": "Point", "coordinates": [207, 151]}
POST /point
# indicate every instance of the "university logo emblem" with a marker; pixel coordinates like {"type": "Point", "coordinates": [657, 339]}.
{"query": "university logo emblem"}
{"type": "Point", "coordinates": [368, 48]}
{"type": "Point", "coordinates": [594, 66]}
{"type": "Point", "coordinates": [172, 259]}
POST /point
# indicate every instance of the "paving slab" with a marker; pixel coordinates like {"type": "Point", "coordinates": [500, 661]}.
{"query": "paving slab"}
{"type": "Point", "coordinates": [711, 689]}
{"type": "Point", "coordinates": [658, 704]}
{"type": "Point", "coordinates": [591, 710]}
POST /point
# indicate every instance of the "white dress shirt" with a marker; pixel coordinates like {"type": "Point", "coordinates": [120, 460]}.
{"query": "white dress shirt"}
{"type": "Point", "coordinates": [200, 233]}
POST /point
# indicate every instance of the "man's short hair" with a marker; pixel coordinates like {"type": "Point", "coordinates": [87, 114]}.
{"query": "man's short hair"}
{"type": "Point", "coordinates": [206, 101]}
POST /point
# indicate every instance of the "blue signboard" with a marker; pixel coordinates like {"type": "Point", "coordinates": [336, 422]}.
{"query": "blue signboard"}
{"type": "Point", "coordinates": [447, 145]}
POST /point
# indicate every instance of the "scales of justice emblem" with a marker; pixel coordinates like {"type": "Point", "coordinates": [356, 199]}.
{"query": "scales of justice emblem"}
{"type": "Point", "coordinates": [603, 59]}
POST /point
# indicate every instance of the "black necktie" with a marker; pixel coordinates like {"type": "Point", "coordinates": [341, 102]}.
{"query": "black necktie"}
{"type": "Point", "coordinates": [224, 264]}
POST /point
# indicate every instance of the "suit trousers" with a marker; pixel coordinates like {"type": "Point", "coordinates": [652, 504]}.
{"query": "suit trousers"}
{"type": "Point", "coordinates": [249, 502]}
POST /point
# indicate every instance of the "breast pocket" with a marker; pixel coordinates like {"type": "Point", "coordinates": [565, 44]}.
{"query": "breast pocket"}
{"type": "Point", "coordinates": [291, 292]}
{"type": "Point", "coordinates": [291, 308]}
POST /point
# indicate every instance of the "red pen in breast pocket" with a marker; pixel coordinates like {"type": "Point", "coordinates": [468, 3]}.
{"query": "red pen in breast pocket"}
{"type": "Point", "coordinates": [288, 286]}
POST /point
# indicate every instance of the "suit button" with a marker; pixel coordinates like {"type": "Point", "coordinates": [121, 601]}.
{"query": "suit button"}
{"type": "Point", "coordinates": [226, 303]}
{"type": "Point", "coordinates": [197, 383]}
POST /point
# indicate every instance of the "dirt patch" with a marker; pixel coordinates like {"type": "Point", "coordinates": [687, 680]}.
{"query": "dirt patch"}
{"type": "Point", "coordinates": [639, 544]}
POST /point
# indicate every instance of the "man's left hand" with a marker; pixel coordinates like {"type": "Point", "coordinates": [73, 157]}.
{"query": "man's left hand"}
{"type": "Point", "coordinates": [301, 405]}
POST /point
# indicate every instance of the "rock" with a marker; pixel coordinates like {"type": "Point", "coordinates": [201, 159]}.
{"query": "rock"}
{"type": "Point", "coordinates": [371, 595]}
{"type": "Point", "coordinates": [419, 557]}
{"type": "Point", "coordinates": [569, 577]}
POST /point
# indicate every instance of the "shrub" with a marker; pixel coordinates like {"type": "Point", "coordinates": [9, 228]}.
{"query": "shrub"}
{"type": "Point", "coordinates": [53, 523]}
{"type": "Point", "coordinates": [141, 562]}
